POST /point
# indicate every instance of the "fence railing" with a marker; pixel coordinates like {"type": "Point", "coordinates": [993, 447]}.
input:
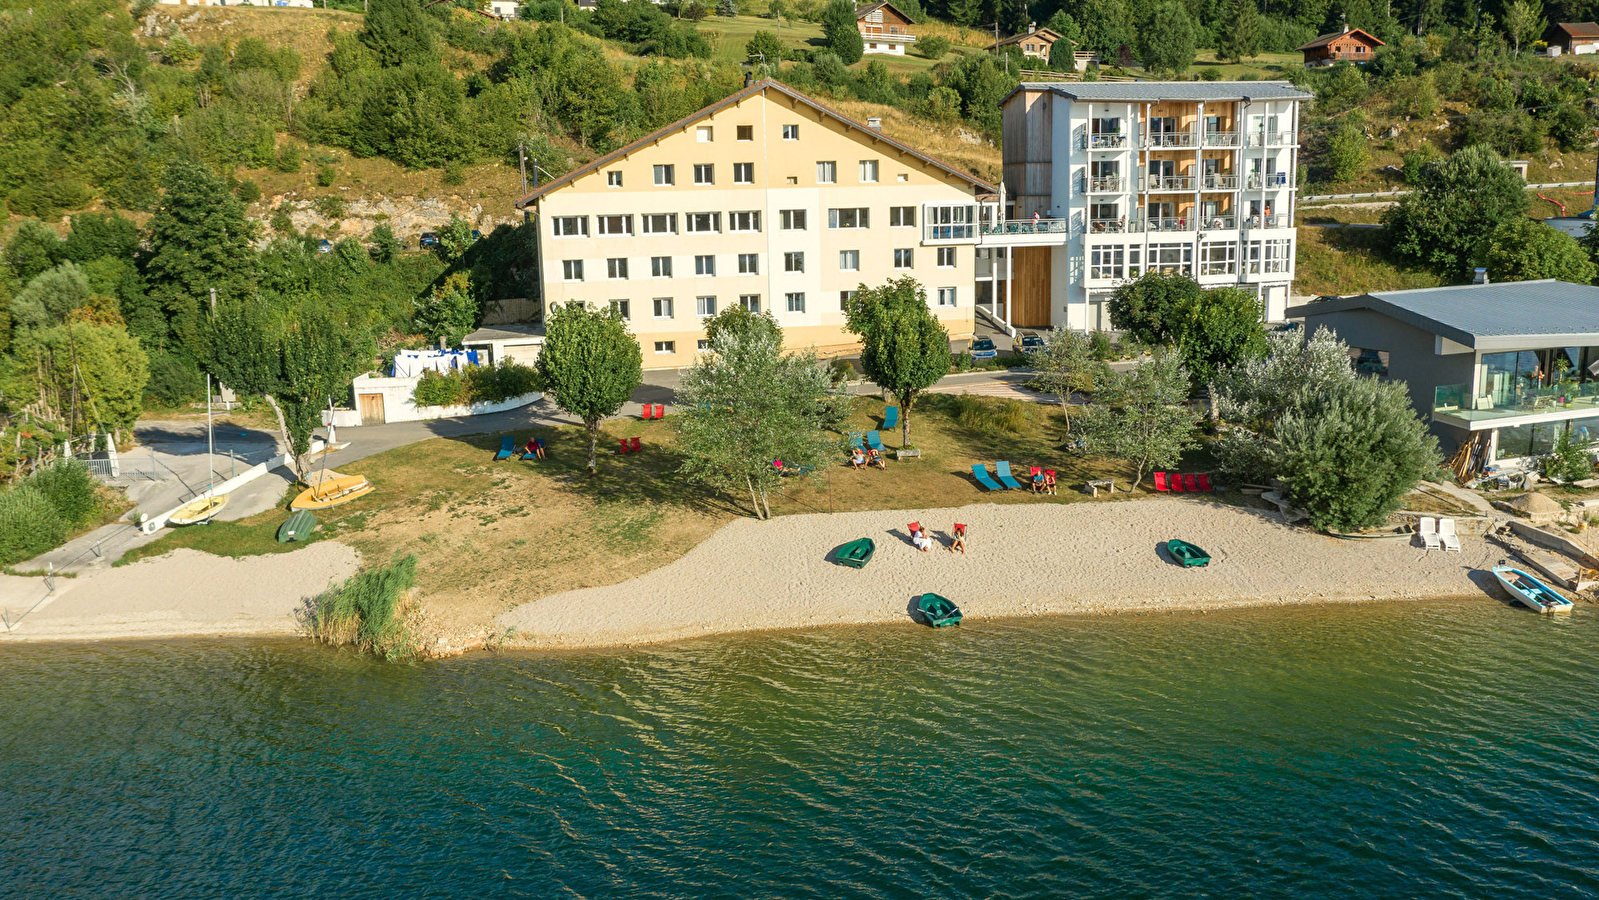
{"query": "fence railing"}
{"type": "Point", "coordinates": [1168, 183]}
{"type": "Point", "coordinates": [1170, 139]}
{"type": "Point", "coordinates": [1106, 184]}
{"type": "Point", "coordinates": [1218, 182]}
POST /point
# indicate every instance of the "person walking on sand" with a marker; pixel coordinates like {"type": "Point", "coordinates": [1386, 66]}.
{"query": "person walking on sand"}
{"type": "Point", "coordinates": [959, 540]}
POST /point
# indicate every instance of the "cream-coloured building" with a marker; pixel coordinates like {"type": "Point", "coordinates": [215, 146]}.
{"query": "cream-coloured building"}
{"type": "Point", "coordinates": [766, 200]}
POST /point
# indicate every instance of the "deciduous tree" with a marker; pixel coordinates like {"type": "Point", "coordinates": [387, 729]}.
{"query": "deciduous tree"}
{"type": "Point", "coordinates": [199, 240]}
{"type": "Point", "coordinates": [1065, 367]}
{"type": "Point", "coordinates": [590, 365]}
{"type": "Point", "coordinates": [904, 349]}
{"type": "Point", "coordinates": [1142, 415]}
{"type": "Point", "coordinates": [1458, 201]}
{"type": "Point", "coordinates": [449, 312]}
{"type": "Point", "coordinates": [1525, 250]}
{"type": "Point", "coordinates": [1166, 40]}
{"type": "Point", "coordinates": [840, 33]}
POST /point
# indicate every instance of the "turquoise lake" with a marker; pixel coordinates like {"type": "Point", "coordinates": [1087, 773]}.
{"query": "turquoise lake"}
{"type": "Point", "coordinates": [1441, 749]}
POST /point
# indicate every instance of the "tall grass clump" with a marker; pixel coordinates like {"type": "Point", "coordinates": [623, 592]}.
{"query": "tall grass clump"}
{"type": "Point", "coordinates": [29, 524]}
{"type": "Point", "coordinates": [989, 415]}
{"type": "Point", "coordinates": [370, 611]}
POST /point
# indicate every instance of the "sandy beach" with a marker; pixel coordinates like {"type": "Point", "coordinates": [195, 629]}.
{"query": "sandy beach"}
{"type": "Point", "coordinates": [184, 593]}
{"type": "Point", "coordinates": [1023, 560]}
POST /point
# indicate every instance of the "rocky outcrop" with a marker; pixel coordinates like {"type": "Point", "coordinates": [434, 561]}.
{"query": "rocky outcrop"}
{"type": "Point", "coordinates": [408, 216]}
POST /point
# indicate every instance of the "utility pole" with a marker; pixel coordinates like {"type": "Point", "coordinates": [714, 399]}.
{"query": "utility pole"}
{"type": "Point", "coordinates": [521, 161]}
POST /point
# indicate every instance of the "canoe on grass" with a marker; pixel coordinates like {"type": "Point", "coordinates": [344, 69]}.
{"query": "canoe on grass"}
{"type": "Point", "coordinates": [298, 527]}
{"type": "Point", "coordinates": [938, 611]}
{"type": "Point", "coordinates": [333, 492]}
{"type": "Point", "coordinates": [197, 511]}
{"type": "Point", "coordinates": [857, 553]}
{"type": "Point", "coordinates": [1187, 554]}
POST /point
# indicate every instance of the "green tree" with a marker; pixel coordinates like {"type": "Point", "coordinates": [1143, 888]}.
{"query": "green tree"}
{"type": "Point", "coordinates": [1065, 367]}
{"type": "Point", "coordinates": [1220, 329]}
{"type": "Point", "coordinates": [1150, 308]}
{"type": "Point", "coordinates": [385, 246]}
{"type": "Point", "coordinates": [839, 31]}
{"type": "Point", "coordinates": [199, 240]}
{"type": "Point", "coordinates": [90, 376]}
{"type": "Point", "coordinates": [396, 31]}
{"type": "Point", "coordinates": [933, 46]}
{"type": "Point", "coordinates": [1524, 22]}
{"type": "Point", "coordinates": [33, 249]}
{"type": "Point", "coordinates": [1526, 250]}
{"type": "Point", "coordinates": [1458, 201]}
{"type": "Point", "coordinates": [99, 235]}
{"type": "Point", "coordinates": [449, 312]}
{"type": "Point", "coordinates": [1142, 415]}
{"type": "Point", "coordinates": [904, 349]}
{"type": "Point", "coordinates": [590, 364]}
{"type": "Point", "coordinates": [454, 238]}
{"type": "Point", "coordinates": [50, 297]}
{"type": "Point", "coordinates": [1346, 155]}
{"type": "Point", "coordinates": [746, 405]}
{"type": "Point", "coordinates": [764, 48]}
{"type": "Point", "coordinates": [1166, 40]}
{"type": "Point", "coordinates": [1238, 34]}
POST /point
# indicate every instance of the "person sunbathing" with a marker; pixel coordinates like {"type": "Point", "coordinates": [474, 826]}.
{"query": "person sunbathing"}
{"type": "Point", "coordinates": [858, 458]}
{"type": "Point", "coordinates": [875, 459]}
{"type": "Point", "coordinates": [1038, 482]}
{"type": "Point", "coordinates": [1049, 481]}
{"type": "Point", "coordinates": [959, 540]}
{"type": "Point", "coordinates": [920, 539]}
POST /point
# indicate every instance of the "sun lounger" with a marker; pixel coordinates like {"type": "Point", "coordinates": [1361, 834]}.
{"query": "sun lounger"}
{"type": "Point", "coordinates": [1002, 469]}
{"type": "Point", "coordinates": [660, 411]}
{"type": "Point", "coordinates": [1190, 483]}
{"type": "Point", "coordinates": [874, 440]}
{"type": "Point", "coordinates": [648, 412]}
{"type": "Point", "coordinates": [1176, 482]}
{"type": "Point", "coordinates": [633, 445]}
{"type": "Point", "coordinates": [507, 448]}
{"type": "Point", "coordinates": [1160, 482]}
{"type": "Point", "coordinates": [855, 440]}
{"type": "Point", "coordinates": [623, 443]}
{"type": "Point", "coordinates": [531, 451]}
{"type": "Point", "coordinates": [1429, 533]}
{"type": "Point", "coordinates": [1204, 483]}
{"type": "Point", "coordinates": [890, 418]}
{"type": "Point", "coordinates": [980, 472]}
{"type": "Point", "coordinates": [1447, 536]}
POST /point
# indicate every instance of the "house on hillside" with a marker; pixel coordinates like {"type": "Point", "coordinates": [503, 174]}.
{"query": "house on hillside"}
{"type": "Point", "coordinates": [766, 200]}
{"type": "Point", "coordinates": [1572, 37]}
{"type": "Point", "coordinates": [884, 28]}
{"type": "Point", "coordinates": [504, 9]}
{"type": "Point", "coordinates": [1509, 367]}
{"type": "Point", "coordinates": [1349, 45]}
{"type": "Point", "coordinates": [1034, 43]}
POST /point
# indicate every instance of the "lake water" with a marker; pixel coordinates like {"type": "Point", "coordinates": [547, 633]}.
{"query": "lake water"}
{"type": "Point", "coordinates": [1384, 750]}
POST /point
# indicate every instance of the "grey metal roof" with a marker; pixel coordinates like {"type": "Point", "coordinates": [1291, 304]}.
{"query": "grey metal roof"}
{"type": "Point", "coordinates": [503, 333]}
{"type": "Point", "coordinates": [1156, 91]}
{"type": "Point", "coordinates": [1508, 316]}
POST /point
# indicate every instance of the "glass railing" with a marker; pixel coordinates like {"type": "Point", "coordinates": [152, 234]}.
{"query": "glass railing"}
{"type": "Point", "coordinates": [1273, 221]}
{"type": "Point", "coordinates": [1218, 182]}
{"type": "Point", "coordinates": [1027, 226]}
{"type": "Point", "coordinates": [1454, 400]}
{"type": "Point", "coordinates": [1106, 184]}
{"type": "Point", "coordinates": [1171, 139]}
{"type": "Point", "coordinates": [1158, 183]}
{"type": "Point", "coordinates": [1222, 138]}
{"type": "Point", "coordinates": [1114, 226]}
{"type": "Point", "coordinates": [1172, 224]}
{"type": "Point", "coordinates": [1272, 180]}
{"type": "Point", "coordinates": [1226, 222]}
{"type": "Point", "coordinates": [1449, 397]}
{"type": "Point", "coordinates": [1106, 141]}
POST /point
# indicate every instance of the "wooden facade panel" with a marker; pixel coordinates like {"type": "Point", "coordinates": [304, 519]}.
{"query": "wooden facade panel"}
{"type": "Point", "coordinates": [1029, 289]}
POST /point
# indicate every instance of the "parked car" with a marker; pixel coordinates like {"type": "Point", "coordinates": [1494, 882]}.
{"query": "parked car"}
{"type": "Point", "coordinates": [983, 348]}
{"type": "Point", "coordinates": [1031, 343]}
{"type": "Point", "coordinates": [324, 246]}
{"type": "Point", "coordinates": [428, 239]}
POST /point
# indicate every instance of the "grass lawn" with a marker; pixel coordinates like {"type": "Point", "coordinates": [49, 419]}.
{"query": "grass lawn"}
{"type": "Point", "coordinates": [728, 37]}
{"type": "Point", "coordinates": [1266, 66]}
{"type": "Point", "coordinates": [490, 535]}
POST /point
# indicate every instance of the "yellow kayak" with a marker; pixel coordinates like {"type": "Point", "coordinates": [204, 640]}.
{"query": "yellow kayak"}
{"type": "Point", "coordinates": [333, 492]}
{"type": "Point", "coordinates": [197, 511]}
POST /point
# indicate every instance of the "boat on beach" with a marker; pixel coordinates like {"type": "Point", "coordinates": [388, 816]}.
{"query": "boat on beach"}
{"type": "Point", "coordinates": [857, 553]}
{"type": "Point", "coordinates": [1186, 554]}
{"type": "Point", "coordinates": [938, 611]}
{"type": "Point", "coordinates": [332, 492]}
{"type": "Point", "coordinates": [298, 527]}
{"type": "Point", "coordinates": [196, 511]}
{"type": "Point", "coordinates": [1530, 592]}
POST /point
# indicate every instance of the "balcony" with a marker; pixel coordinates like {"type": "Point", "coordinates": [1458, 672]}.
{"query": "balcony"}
{"type": "Point", "coordinates": [1268, 181]}
{"type": "Point", "coordinates": [1223, 222]}
{"type": "Point", "coordinates": [1270, 139]}
{"type": "Point", "coordinates": [1554, 403]}
{"type": "Point", "coordinates": [1170, 225]}
{"type": "Point", "coordinates": [1171, 140]}
{"type": "Point", "coordinates": [1274, 221]}
{"type": "Point", "coordinates": [1222, 139]}
{"type": "Point", "coordinates": [1028, 226]}
{"type": "Point", "coordinates": [1103, 141]}
{"type": "Point", "coordinates": [881, 35]}
{"type": "Point", "coordinates": [1160, 184]}
{"type": "Point", "coordinates": [1114, 226]}
{"type": "Point", "coordinates": [1218, 182]}
{"type": "Point", "coordinates": [1107, 184]}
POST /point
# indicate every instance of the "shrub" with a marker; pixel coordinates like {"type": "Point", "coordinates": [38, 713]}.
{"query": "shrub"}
{"type": "Point", "coordinates": [477, 384]}
{"type": "Point", "coordinates": [329, 207]}
{"type": "Point", "coordinates": [1569, 460]}
{"type": "Point", "coordinates": [326, 175]}
{"type": "Point", "coordinates": [842, 370]}
{"type": "Point", "coordinates": [174, 381]}
{"type": "Point", "coordinates": [370, 611]}
{"type": "Point", "coordinates": [933, 46]}
{"type": "Point", "coordinates": [440, 389]}
{"type": "Point", "coordinates": [1100, 347]}
{"type": "Point", "coordinates": [29, 524]}
{"type": "Point", "coordinates": [248, 191]}
{"type": "Point", "coordinates": [72, 490]}
{"type": "Point", "coordinates": [288, 159]}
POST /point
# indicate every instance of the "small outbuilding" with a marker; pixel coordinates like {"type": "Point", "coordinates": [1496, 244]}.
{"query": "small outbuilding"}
{"type": "Point", "coordinates": [1577, 38]}
{"type": "Point", "coordinates": [1350, 45]}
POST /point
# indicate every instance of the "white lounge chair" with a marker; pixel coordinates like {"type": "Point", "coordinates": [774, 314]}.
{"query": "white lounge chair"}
{"type": "Point", "coordinates": [1429, 532]}
{"type": "Point", "coordinates": [1446, 534]}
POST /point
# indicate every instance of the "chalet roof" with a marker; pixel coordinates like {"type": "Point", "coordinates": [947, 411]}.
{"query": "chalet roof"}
{"type": "Point", "coordinates": [759, 87]}
{"type": "Point", "coordinates": [1511, 315]}
{"type": "Point", "coordinates": [1037, 32]}
{"type": "Point", "coordinates": [1157, 91]}
{"type": "Point", "coordinates": [861, 11]}
{"type": "Point", "coordinates": [1585, 30]}
{"type": "Point", "coordinates": [1326, 39]}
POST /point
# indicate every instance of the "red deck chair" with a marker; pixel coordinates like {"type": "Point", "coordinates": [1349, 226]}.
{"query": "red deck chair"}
{"type": "Point", "coordinates": [1176, 482]}
{"type": "Point", "coordinates": [1160, 481]}
{"type": "Point", "coordinates": [1190, 483]}
{"type": "Point", "coordinates": [913, 528]}
{"type": "Point", "coordinates": [623, 442]}
{"type": "Point", "coordinates": [660, 411]}
{"type": "Point", "coordinates": [634, 446]}
{"type": "Point", "coordinates": [648, 412]}
{"type": "Point", "coordinates": [1204, 483]}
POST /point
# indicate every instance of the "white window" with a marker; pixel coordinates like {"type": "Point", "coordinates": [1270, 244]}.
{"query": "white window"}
{"type": "Point", "coordinates": [703, 344]}
{"type": "Point", "coordinates": [660, 223]}
{"type": "Point", "coordinates": [849, 260]}
{"type": "Point", "coordinates": [746, 132]}
{"type": "Point", "coordinates": [660, 267]}
{"type": "Point", "coordinates": [853, 217]}
{"type": "Point", "coordinates": [704, 173]}
{"type": "Point", "coordinates": [827, 172]}
{"type": "Point", "coordinates": [1107, 262]}
{"type": "Point", "coordinates": [705, 307]}
{"type": "Point", "coordinates": [793, 262]}
{"type": "Point", "coordinates": [946, 257]}
{"type": "Point", "coordinates": [951, 223]}
{"type": "Point", "coordinates": [702, 134]}
{"type": "Point", "coordinates": [743, 173]}
{"type": "Point", "coordinates": [1172, 259]}
{"type": "Point", "coordinates": [903, 259]}
{"type": "Point", "coordinates": [572, 269]}
{"type": "Point", "coordinates": [614, 225]}
{"type": "Point", "coordinates": [868, 171]}
{"type": "Point", "coordinates": [790, 132]}
{"type": "Point", "coordinates": [1270, 257]}
{"type": "Point", "coordinates": [1134, 267]}
{"type": "Point", "coordinates": [703, 223]}
{"type": "Point", "coordinates": [749, 264]}
{"type": "Point", "coordinates": [616, 267]}
{"type": "Point", "coordinates": [570, 226]}
{"type": "Point", "coordinates": [666, 346]}
{"type": "Point", "coordinates": [622, 308]}
{"type": "Point", "coordinates": [751, 302]}
{"type": "Point", "coordinates": [946, 296]}
{"type": "Point", "coordinates": [1218, 258]}
{"type": "Point", "coordinates": [791, 219]}
{"type": "Point", "coordinates": [704, 265]}
{"type": "Point", "coordinates": [796, 302]}
{"type": "Point", "coordinates": [613, 178]}
{"type": "Point", "coordinates": [665, 176]}
{"type": "Point", "coordinates": [902, 217]}
{"type": "Point", "coordinates": [663, 307]}
{"type": "Point", "coordinates": [744, 221]}
{"type": "Point", "coordinates": [844, 298]}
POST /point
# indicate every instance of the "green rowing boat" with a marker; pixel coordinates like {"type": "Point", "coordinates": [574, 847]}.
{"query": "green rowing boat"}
{"type": "Point", "coordinates": [857, 553]}
{"type": "Point", "coordinates": [938, 611]}
{"type": "Point", "coordinates": [1187, 554]}
{"type": "Point", "coordinates": [298, 527]}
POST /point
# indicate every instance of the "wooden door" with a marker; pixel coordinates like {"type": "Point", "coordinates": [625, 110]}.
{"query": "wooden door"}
{"type": "Point", "coordinates": [371, 406]}
{"type": "Point", "coordinates": [1029, 289]}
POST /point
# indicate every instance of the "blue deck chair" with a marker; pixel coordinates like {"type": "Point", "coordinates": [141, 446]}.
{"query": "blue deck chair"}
{"type": "Point", "coordinates": [980, 472]}
{"type": "Point", "coordinates": [891, 418]}
{"type": "Point", "coordinates": [874, 441]}
{"type": "Point", "coordinates": [855, 440]}
{"type": "Point", "coordinates": [1002, 468]}
{"type": "Point", "coordinates": [507, 448]}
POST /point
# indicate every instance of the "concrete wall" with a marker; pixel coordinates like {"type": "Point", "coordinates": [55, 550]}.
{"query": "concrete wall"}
{"type": "Point", "coordinates": [398, 405]}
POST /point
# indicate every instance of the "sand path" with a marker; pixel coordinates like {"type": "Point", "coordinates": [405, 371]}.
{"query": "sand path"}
{"type": "Point", "coordinates": [180, 594]}
{"type": "Point", "coordinates": [1024, 560]}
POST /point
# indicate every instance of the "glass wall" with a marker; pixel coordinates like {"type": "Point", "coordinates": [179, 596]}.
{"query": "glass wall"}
{"type": "Point", "coordinates": [1533, 440]}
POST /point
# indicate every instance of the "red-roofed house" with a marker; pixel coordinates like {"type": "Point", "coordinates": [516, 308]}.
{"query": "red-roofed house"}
{"type": "Point", "coordinates": [1572, 37]}
{"type": "Point", "coordinates": [1349, 45]}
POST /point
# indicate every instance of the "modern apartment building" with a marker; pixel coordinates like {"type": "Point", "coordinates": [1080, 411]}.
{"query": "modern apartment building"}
{"type": "Point", "coordinates": [1106, 181]}
{"type": "Point", "coordinates": [767, 200]}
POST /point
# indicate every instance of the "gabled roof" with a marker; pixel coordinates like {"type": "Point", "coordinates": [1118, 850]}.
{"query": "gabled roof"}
{"type": "Point", "coordinates": [1585, 30]}
{"type": "Point", "coordinates": [758, 87]}
{"type": "Point", "coordinates": [861, 11]}
{"type": "Point", "coordinates": [1156, 91]}
{"type": "Point", "coordinates": [1511, 315]}
{"type": "Point", "coordinates": [1037, 32]}
{"type": "Point", "coordinates": [1326, 39]}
